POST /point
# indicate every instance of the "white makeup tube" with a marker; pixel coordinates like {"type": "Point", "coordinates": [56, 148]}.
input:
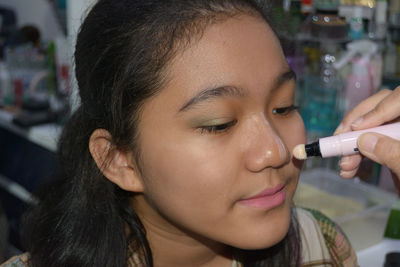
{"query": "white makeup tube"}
{"type": "Point", "coordinates": [343, 144]}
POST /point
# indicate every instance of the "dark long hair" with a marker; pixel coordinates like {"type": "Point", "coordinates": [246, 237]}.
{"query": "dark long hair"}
{"type": "Point", "coordinates": [121, 57]}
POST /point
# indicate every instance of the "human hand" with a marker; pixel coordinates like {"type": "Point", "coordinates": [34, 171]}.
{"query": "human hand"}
{"type": "Point", "coordinates": [382, 107]}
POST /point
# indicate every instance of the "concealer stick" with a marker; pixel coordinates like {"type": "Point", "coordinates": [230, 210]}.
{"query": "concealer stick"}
{"type": "Point", "coordinates": [342, 144]}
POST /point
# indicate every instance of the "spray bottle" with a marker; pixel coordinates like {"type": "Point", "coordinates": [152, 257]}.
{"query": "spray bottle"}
{"type": "Point", "coordinates": [365, 72]}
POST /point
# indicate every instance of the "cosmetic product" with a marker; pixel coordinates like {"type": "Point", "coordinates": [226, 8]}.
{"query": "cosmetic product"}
{"type": "Point", "coordinates": [366, 72]}
{"type": "Point", "coordinates": [356, 29]}
{"type": "Point", "coordinates": [5, 82]}
{"type": "Point", "coordinates": [342, 144]}
{"type": "Point", "coordinates": [394, 13]}
{"type": "Point", "coordinates": [393, 224]}
{"type": "Point", "coordinates": [389, 68]}
{"type": "Point", "coordinates": [306, 7]}
{"type": "Point", "coordinates": [359, 84]}
{"type": "Point", "coordinates": [321, 101]}
{"type": "Point", "coordinates": [379, 25]}
{"type": "Point", "coordinates": [286, 6]}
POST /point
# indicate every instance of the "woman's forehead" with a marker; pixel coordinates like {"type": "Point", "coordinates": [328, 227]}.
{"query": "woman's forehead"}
{"type": "Point", "coordinates": [240, 48]}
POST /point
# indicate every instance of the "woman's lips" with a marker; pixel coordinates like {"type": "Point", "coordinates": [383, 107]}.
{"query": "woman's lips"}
{"type": "Point", "coordinates": [267, 199]}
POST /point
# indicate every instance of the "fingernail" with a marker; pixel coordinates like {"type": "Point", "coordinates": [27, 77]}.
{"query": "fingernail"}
{"type": "Point", "coordinates": [367, 142]}
{"type": "Point", "coordinates": [347, 174]}
{"type": "Point", "coordinates": [357, 122]}
{"type": "Point", "coordinates": [344, 160]}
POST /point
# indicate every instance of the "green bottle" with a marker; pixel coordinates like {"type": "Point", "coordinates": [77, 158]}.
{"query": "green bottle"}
{"type": "Point", "coordinates": [393, 223]}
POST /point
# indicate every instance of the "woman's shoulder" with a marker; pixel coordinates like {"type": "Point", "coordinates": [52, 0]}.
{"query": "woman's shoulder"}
{"type": "Point", "coordinates": [17, 261]}
{"type": "Point", "coordinates": [324, 240]}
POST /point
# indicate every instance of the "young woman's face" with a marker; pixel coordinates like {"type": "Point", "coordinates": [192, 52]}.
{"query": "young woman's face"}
{"type": "Point", "coordinates": [216, 142]}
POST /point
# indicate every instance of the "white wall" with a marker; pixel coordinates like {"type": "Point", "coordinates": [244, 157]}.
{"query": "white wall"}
{"type": "Point", "coordinates": [76, 12]}
{"type": "Point", "coordinates": [38, 13]}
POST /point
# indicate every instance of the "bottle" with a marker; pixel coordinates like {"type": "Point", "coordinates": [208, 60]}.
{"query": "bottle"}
{"type": "Point", "coordinates": [394, 13]}
{"type": "Point", "coordinates": [322, 93]}
{"type": "Point", "coordinates": [356, 30]}
{"type": "Point", "coordinates": [51, 68]}
{"type": "Point", "coordinates": [376, 70]}
{"type": "Point", "coordinates": [389, 68]}
{"type": "Point", "coordinates": [380, 19]}
{"type": "Point", "coordinates": [5, 83]}
{"type": "Point", "coordinates": [306, 7]}
{"type": "Point", "coordinates": [393, 224]}
{"type": "Point", "coordinates": [18, 92]}
{"type": "Point", "coordinates": [286, 6]}
{"type": "Point", "coordinates": [359, 84]}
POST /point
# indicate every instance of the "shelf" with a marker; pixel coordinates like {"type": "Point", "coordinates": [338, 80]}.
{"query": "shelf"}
{"type": "Point", "coordinates": [45, 135]}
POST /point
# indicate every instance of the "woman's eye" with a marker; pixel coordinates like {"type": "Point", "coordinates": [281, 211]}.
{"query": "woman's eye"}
{"type": "Point", "coordinates": [219, 128]}
{"type": "Point", "coordinates": [285, 110]}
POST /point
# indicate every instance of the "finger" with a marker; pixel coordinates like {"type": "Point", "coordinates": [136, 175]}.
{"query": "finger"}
{"type": "Point", "coordinates": [381, 149]}
{"type": "Point", "coordinates": [385, 111]}
{"type": "Point", "coordinates": [361, 109]}
{"type": "Point", "coordinates": [350, 163]}
{"type": "Point", "coordinates": [348, 174]}
{"type": "Point", "coordinates": [349, 166]}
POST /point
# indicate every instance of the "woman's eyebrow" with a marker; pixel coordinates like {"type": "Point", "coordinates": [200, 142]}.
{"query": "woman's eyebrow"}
{"type": "Point", "coordinates": [233, 91]}
{"type": "Point", "coordinates": [285, 76]}
{"type": "Point", "coordinates": [213, 93]}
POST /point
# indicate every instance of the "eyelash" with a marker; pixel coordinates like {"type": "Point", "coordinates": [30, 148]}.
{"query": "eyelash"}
{"type": "Point", "coordinates": [285, 110]}
{"type": "Point", "coordinates": [220, 128]}
{"type": "Point", "coordinates": [215, 129]}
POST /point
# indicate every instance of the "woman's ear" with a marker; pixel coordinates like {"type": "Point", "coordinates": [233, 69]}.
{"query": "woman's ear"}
{"type": "Point", "coordinates": [113, 163]}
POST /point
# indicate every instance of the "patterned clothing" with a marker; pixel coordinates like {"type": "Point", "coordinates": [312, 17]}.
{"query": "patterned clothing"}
{"type": "Point", "coordinates": [18, 261]}
{"type": "Point", "coordinates": [323, 244]}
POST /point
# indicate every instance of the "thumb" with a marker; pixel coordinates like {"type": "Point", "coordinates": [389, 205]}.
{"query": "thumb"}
{"type": "Point", "coordinates": [381, 149]}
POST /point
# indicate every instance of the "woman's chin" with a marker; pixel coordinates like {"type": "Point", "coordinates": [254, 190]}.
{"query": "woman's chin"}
{"type": "Point", "coordinates": [265, 238]}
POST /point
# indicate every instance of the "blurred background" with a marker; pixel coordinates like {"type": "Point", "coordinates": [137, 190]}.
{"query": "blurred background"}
{"type": "Point", "coordinates": [342, 51]}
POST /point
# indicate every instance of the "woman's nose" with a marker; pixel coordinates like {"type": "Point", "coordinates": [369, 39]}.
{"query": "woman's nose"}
{"type": "Point", "coordinates": [266, 148]}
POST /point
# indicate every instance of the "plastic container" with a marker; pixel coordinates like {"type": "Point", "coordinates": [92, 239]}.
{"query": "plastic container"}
{"type": "Point", "coordinates": [360, 209]}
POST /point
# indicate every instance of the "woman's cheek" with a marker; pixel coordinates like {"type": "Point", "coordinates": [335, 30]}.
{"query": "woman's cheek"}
{"type": "Point", "coordinates": [300, 129]}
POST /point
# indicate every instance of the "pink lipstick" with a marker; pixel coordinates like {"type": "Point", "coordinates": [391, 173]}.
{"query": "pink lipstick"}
{"type": "Point", "coordinates": [267, 199]}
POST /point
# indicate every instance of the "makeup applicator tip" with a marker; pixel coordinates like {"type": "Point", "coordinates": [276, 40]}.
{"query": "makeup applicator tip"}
{"type": "Point", "coordinates": [299, 152]}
